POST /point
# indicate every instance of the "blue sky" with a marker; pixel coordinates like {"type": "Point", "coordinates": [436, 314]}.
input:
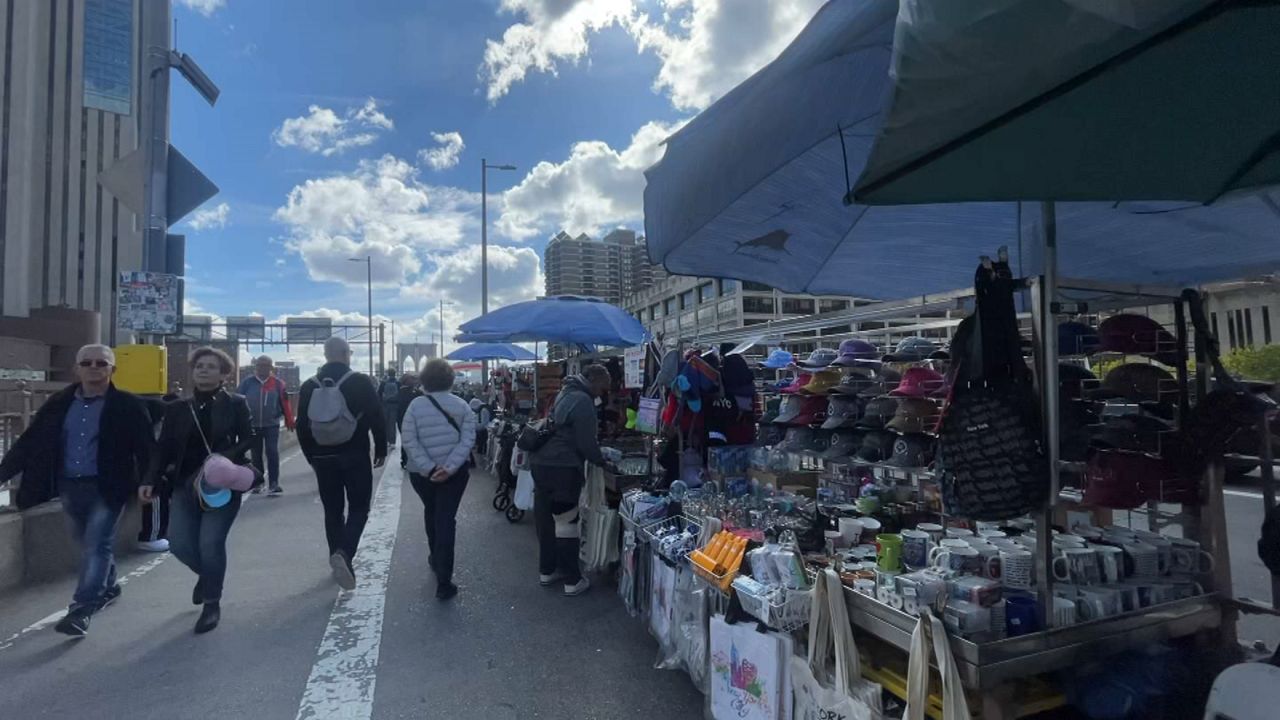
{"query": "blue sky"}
{"type": "Point", "coordinates": [357, 128]}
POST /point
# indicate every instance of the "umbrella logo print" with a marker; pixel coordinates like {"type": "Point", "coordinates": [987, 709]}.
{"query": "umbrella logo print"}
{"type": "Point", "coordinates": [774, 240]}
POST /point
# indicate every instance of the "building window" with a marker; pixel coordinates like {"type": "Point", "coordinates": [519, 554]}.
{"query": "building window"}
{"type": "Point", "coordinates": [755, 286]}
{"type": "Point", "coordinates": [757, 305]}
{"type": "Point", "coordinates": [706, 292]}
{"type": "Point", "coordinates": [671, 306]}
{"type": "Point", "coordinates": [1266, 325]}
{"type": "Point", "coordinates": [1213, 323]}
{"type": "Point", "coordinates": [1231, 331]}
{"type": "Point", "coordinates": [1240, 328]}
{"type": "Point", "coordinates": [686, 300]}
{"type": "Point", "coordinates": [1248, 327]}
{"type": "Point", "coordinates": [796, 306]}
{"type": "Point", "coordinates": [655, 311]}
{"type": "Point", "coordinates": [728, 287]}
{"type": "Point", "coordinates": [825, 306]}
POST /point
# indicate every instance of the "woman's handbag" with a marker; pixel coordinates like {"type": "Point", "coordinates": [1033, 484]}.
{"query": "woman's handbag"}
{"type": "Point", "coordinates": [536, 434]}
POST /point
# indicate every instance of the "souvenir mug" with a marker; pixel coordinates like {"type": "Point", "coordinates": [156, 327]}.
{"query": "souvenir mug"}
{"type": "Point", "coordinates": [949, 543]}
{"type": "Point", "coordinates": [1021, 616]}
{"type": "Point", "coordinates": [988, 534]}
{"type": "Point", "coordinates": [870, 528]}
{"type": "Point", "coordinates": [1164, 549]}
{"type": "Point", "coordinates": [851, 530]}
{"type": "Point", "coordinates": [964, 560]}
{"type": "Point", "coordinates": [1064, 612]}
{"type": "Point", "coordinates": [1068, 540]}
{"type": "Point", "coordinates": [966, 618]}
{"type": "Point", "coordinates": [959, 532]}
{"type": "Point", "coordinates": [863, 552]}
{"type": "Point", "coordinates": [1110, 563]}
{"type": "Point", "coordinates": [990, 559]}
{"type": "Point", "coordinates": [865, 586]}
{"type": "Point", "coordinates": [1016, 568]}
{"type": "Point", "coordinates": [1076, 565]}
{"type": "Point", "coordinates": [1189, 559]}
{"type": "Point", "coordinates": [889, 551]}
{"type": "Point", "coordinates": [1128, 594]}
{"type": "Point", "coordinates": [935, 531]}
{"type": "Point", "coordinates": [1096, 603]}
{"type": "Point", "coordinates": [1142, 558]}
{"type": "Point", "coordinates": [916, 545]}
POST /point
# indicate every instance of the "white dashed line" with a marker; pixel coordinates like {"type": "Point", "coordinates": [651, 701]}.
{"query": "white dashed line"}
{"type": "Point", "coordinates": [341, 684]}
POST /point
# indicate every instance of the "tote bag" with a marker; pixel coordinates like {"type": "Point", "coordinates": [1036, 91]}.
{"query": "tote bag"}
{"type": "Point", "coordinates": [931, 636]}
{"type": "Point", "coordinates": [845, 694]}
{"type": "Point", "coordinates": [750, 677]}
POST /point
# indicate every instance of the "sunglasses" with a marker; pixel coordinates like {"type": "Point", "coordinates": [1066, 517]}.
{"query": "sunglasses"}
{"type": "Point", "coordinates": [94, 363]}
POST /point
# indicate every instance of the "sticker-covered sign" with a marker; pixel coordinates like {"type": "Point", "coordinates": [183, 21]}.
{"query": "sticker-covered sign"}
{"type": "Point", "coordinates": [633, 368]}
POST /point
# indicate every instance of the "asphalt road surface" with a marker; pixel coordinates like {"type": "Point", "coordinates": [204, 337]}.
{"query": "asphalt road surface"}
{"type": "Point", "coordinates": [289, 646]}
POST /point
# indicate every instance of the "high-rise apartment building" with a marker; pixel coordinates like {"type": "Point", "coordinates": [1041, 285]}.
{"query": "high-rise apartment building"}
{"type": "Point", "coordinates": [612, 269]}
{"type": "Point", "coordinates": [70, 106]}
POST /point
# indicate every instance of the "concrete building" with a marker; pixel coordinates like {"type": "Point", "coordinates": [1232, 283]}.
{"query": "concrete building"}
{"type": "Point", "coordinates": [69, 107]}
{"type": "Point", "coordinates": [1241, 314]}
{"type": "Point", "coordinates": [612, 269]}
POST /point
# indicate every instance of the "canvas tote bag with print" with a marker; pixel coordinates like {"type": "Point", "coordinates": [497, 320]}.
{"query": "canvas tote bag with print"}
{"type": "Point", "coordinates": [749, 672]}
{"type": "Point", "coordinates": [823, 691]}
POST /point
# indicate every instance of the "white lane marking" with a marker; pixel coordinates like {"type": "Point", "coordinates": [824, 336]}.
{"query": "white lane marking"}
{"type": "Point", "coordinates": [54, 617]}
{"type": "Point", "coordinates": [1243, 493]}
{"type": "Point", "coordinates": [342, 680]}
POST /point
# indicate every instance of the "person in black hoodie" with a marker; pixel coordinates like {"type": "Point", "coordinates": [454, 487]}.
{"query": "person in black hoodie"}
{"type": "Point", "coordinates": [88, 443]}
{"type": "Point", "coordinates": [343, 472]}
{"type": "Point", "coordinates": [405, 395]}
{"type": "Point", "coordinates": [212, 420]}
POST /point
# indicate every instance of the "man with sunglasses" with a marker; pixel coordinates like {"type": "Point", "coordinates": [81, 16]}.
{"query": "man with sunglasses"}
{"type": "Point", "coordinates": [89, 443]}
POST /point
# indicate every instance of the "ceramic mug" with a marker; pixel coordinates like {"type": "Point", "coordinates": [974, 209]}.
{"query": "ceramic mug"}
{"type": "Point", "coordinates": [1164, 548]}
{"type": "Point", "coordinates": [963, 560]}
{"type": "Point", "coordinates": [870, 529]}
{"type": "Point", "coordinates": [865, 586]}
{"type": "Point", "coordinates": [935, 531]}
{"type": "Point", "coordinates": [1128, 594]}
{"type": "Point", "coordinates": [851, 530]}
{"type": "Point", "coordinates": [959, 532]}
{"type": "Point", "coordinates": [990, 559]}
{"type": "Point", "coordinates": [1021, 616]}
{"type": "Point", "coordinates": [889, 551]}
{"type": "Point", "coordinates": [1110, 563]}
{"type": "Point", "coordinates": [1141, 559]}
{"type": "Point", "coordinates": [1098, 603]}
{"type": "Point", "coordinates": [916, 545]}
{"type": "Point", "coordinates": [945, 544]}
{"type": "Point", "coordinates": [1064, 612]}
{"type": "Point", "coordinates": [989, 533]}
{"type": "Point", "coordinates": [1078, 565]}
{"type": "Point", "coordinates": [1189, 558]}
{"type": "Point", "coordinates": [1068, 539]}
{"type": "Point", "coordinates": [1016, 568]}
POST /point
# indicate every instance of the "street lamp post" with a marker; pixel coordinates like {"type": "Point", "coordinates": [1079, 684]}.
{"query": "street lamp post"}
{"type": "Point", "coordinates": [485, 167]}
{"type": "Point", "coordinates": [368, 261]}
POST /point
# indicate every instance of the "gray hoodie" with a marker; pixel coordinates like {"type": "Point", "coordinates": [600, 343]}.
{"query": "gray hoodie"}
{"type": "Point", "coordinates": [574, 441]}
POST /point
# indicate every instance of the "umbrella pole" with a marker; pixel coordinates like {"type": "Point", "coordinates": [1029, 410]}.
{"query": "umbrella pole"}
{"type": "Point", "coordinates": [1047, 328]}
{"type": "Point", "coordinates": [536, 363]}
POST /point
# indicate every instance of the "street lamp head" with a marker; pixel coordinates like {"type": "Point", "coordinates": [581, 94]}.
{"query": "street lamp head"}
{"type": "Point", "coordinates": [504, 167]}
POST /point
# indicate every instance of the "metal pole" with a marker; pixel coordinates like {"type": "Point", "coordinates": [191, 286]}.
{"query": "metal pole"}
{"type": "Point", "coordinates": [1047, 327]}
{"type": "Point", "coordinates": [395, 353]}
{"type": "Point", "coordinates": [369, 263]}
{"type": "Point", "coordinates": [1269, 490]}
{"type": "Point", "coordinates": [382, 347]}
{"type": "Point", "coordinates": [155, 131]}
{"type": "Point", "coordinates": [441, 348]}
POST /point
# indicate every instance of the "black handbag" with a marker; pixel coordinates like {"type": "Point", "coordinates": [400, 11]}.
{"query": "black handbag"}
{"type": "Point", "coordinates": [536, 434]}
{"type": "Point", "coordinates": [991, 461]}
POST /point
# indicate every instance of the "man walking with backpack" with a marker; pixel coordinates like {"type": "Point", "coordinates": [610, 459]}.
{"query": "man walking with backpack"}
{"type": "Point", "coordinates": [338, 410]}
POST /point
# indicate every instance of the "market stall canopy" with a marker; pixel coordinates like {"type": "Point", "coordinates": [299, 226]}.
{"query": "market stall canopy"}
{"type": "Point", "coordinates": [560, 319]}
{"type": "Point", "coordinates": [1138, 100]}
{"type": "Point", "coordinates": [754, 188]}
{"type": "Point", "coordinates": [491, 351]}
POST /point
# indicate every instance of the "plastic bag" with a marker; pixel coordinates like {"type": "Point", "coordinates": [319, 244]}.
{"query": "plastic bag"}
{"type": "Point", "coordinates": [523, 499]}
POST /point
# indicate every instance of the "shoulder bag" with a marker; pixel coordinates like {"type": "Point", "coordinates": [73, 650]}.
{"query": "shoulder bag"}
{"type": "Point", "coordinates": [454, 423]}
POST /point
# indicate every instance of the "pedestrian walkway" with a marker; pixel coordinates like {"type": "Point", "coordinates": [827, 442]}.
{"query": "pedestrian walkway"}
{"type": "Point", "coordinates": [504, 648]}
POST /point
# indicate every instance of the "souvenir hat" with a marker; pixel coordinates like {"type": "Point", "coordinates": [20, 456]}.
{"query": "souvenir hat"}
{"type": "Point", "coordinates": [820, 358]}
{"type": "Point", "coordinates": [1135, 432]}
{"type": "Point", "coordinates": [818, 442]}
{"type": "Point", "coordinates": [669, 369]}
{"type": "Point", "coordinates": [1137, 335]}
{"type": "Point", "coordinates": [797, 438]}
{"type": "Point", "coordinates": [912, 450]}
{"type": "Point", "coordinates": [855, 380]}
{"type": "Point", "coordinates": [788, 409]}
{"type": "Point", "coordinates": [857, 352]}
{"type": "Point", "coordinates": [912, 349]}
{"type": "Point", "coordinates": [736, 377]}
{"type": "Point", "coordinates": [878, 412]}
{"type": "Point", "coordinates": [877, 446]}
{"type": "Point", "coordinates": [1076, 338]}
{"type": "Point", "coordinates": [1135, 382]}
{"type": "Point", "coordinates": [813, 411]}
{"type": "Point", "coordinates": [778, 359]}
{"type": "Point", "coordinates": [821, 383]}
{"type": "Point", "coordinates": [919, 382]}
{"type": "Point", "coordinates": [768, 435]}
{"type": "Point", "coordinates": [209, 496]}
{"type": "Point", "coordinates": [221, 473]}
{"type": "Point", "coordinates": [800, 381]}
{"type": "Point", "coordinates": [844, 444]}
{"type": "Point", "coordinates": [843, 411]}
{"type": "Point", "coordinates": [772, 408]}
{"type": "Point", "coordinates": [1074, 381]}
{"type": "Point", "coordinates": [914, 415]}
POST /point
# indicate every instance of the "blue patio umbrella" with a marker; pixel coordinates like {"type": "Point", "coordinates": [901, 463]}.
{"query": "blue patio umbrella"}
{"type": "Point", "coordinates": [560, 319]}
{"type": "Point", "coordinates": [491, 351]}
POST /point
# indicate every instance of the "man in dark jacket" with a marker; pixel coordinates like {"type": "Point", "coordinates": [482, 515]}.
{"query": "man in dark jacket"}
{"type": "Point", "coordinates": [89, 444]}
{"type": "Point", "coordinates": [343, 473]}
{"type": "Point", "coordinates": [558, 478]}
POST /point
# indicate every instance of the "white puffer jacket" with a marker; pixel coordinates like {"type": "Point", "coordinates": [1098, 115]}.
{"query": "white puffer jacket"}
{"type": "Point", "coordinates": [430, 441]}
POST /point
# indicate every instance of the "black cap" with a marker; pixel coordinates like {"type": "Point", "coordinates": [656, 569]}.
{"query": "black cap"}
{"type": "Point", "coordinates": [877, 446]}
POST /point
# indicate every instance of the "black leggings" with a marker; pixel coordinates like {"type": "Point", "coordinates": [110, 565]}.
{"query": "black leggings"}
{"type": "Point", "coordinates": [439, 513]}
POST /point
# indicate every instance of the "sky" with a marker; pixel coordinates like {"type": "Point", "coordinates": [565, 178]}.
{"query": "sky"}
{"type": "Point", "coordinates": [357, 129]}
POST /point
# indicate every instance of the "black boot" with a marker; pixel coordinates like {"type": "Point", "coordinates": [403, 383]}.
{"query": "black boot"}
{"type": "Point", "coordinates": [197, 593]}
{"type": "Point", "coordinates": [209, 617]}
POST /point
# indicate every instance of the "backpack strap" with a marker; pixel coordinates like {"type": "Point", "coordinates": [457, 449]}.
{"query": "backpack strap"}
{"type": "Point", "coordinates": [343, 379]}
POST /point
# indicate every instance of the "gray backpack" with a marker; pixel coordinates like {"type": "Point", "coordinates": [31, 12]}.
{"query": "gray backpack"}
{"type": "Point", "coordinates": [331, 420]}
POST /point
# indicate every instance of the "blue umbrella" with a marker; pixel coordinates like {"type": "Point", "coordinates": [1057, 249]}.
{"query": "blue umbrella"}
{"type": "Point", "coordinates": [562, 319]}
{"type": "Point", "coordinates": [491, 351]}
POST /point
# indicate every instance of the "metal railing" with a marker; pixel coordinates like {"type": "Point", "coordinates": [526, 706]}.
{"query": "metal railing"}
{"type": "Point", "coordinates": [19, 401]}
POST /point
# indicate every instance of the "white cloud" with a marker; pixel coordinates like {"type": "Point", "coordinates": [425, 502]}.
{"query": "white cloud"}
{"type": "Point", "coordinates": [446, 154]}
{"type": "Point", "coordinates": [706, 47]}
{"type": "Point", "coordinates": [515, 275]}
{"type": "Point", "coordinates": [597, 186]}
{"type": "Point", "coordinates": [552, 31]}
{"type": "Point", "coordinates": [323, 131]}
{"type": "Point", "coordinates": [205, 7]}
{"type": "Point", "coordinates": [212, 217]}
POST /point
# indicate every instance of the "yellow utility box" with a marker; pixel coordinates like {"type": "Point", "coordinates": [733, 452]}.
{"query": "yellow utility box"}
{"type": "Point", "coordinates": [142, 369]}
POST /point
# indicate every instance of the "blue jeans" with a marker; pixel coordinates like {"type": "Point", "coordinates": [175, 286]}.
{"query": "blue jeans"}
{"type": "Point", "coordinates": [198, 538]}
{"type": "Point", "coordinates": [269, 436]}
{"type": "Point", "coordinates": [93, 524]}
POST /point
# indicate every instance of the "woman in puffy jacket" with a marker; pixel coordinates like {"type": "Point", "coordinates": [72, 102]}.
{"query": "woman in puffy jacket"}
{"type": "Point", "coordinates": [437, 434]}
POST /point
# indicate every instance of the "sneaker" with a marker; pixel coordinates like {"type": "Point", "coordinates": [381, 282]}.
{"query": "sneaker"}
{"type": "Point", "coordinates": [156, 546]}
{"type": "Point", "coordinates": [75, 623]}
{"type": "Point", "coordinates": [582, 586]}
{"type": "Point", "coordinates": [447, 591]}
{"type": "Point", "coordinates": [209, 618]}
{"type": "Point", "coordinates": [111, 595]}
{"type": "Point", "coordinates": [277, 490]}
{"type": "Point", "coordinates": [257, 490]}
{"type": "Point", "coordinates": [342, 572]}
{"type": "Point", "coordinates": [549, 580]}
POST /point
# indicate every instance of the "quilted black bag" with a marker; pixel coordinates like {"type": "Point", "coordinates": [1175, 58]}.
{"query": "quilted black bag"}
{"type": "Point", "coordinates": [991, 459]}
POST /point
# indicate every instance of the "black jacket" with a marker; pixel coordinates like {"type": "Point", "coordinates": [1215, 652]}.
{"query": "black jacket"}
{"type": "Point", "coordinates": [362, 401]}
{"type": "Point", "coordinates": [231, 435]}
{"type": "Point", "coordinates": [404, 396]}
{"type": "Point", "coordinates": [125, 445]}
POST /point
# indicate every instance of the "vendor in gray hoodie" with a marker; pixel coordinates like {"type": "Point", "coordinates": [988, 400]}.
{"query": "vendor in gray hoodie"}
{"type": "Point", "coordinates": [558, 478]}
